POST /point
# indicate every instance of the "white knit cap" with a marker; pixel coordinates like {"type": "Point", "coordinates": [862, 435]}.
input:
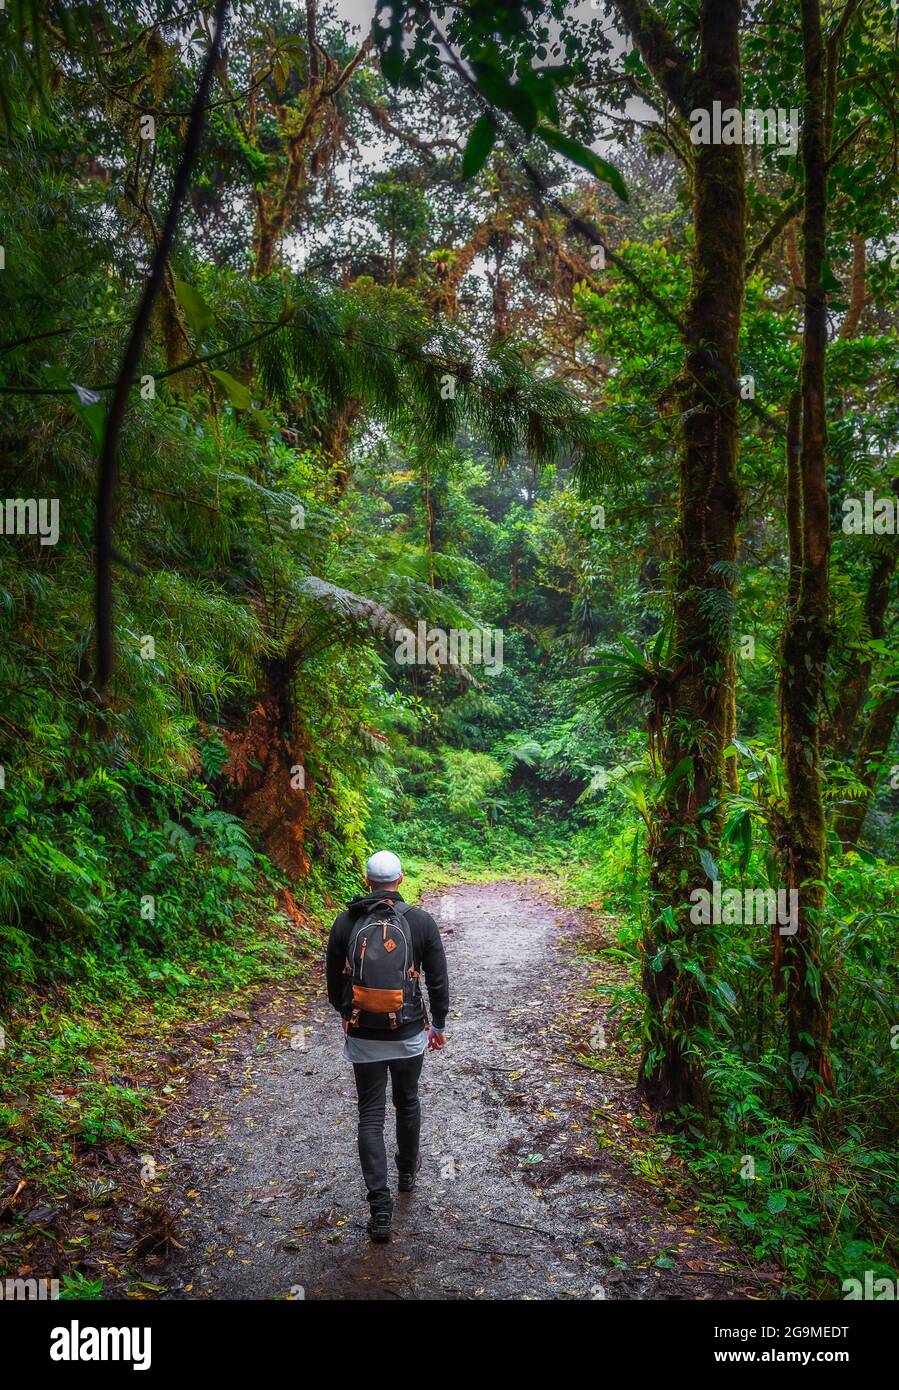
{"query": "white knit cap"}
{"type": "Point", "coordinates": [383, 867]}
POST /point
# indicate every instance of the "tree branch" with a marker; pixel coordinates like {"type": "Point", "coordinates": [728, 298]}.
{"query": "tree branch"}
{"type": "Point", "coordinates": [669, 64]}
{"type": "Point", "coordinates": [794, 207]}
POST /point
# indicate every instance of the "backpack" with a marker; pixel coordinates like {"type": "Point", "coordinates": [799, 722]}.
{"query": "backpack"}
{"type": "Point", "coordinates": [383, 988]}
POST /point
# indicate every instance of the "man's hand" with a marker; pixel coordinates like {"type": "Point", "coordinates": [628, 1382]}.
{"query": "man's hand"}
{"type": "Point", "coordinates": [436, 1039]}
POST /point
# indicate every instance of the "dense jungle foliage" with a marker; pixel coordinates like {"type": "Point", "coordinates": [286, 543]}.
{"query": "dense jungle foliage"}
{"type": "Point", "coordinates": [458, 327]}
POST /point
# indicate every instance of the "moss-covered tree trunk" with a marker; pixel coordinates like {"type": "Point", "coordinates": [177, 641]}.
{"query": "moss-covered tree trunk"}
{"type": "Point", "coordinates": [807, 632]}
{"type": "Point", "coordinates": [852, 689]}
{"type": "Point", "coordinates": [678, 954]}
{"type": "Point", "coordinates": [872, 748]}
{"type": "Point", "coordinates": [267, 773]}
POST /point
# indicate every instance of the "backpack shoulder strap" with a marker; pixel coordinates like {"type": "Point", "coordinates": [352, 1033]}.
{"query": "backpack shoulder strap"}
{"type": "Point", "coordinates": [403, 909]}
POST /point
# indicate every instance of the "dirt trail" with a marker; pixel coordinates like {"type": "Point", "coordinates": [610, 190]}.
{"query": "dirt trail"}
{"type": "Point", "coordinates": [514, 1199]}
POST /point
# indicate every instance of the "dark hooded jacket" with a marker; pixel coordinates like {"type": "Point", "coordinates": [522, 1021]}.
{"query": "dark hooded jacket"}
{"type": "Point", "coordinates": [427, 951]}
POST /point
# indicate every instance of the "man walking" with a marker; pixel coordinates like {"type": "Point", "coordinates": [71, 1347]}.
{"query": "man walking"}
{"type": "Point", "coordinates": [377, 951]}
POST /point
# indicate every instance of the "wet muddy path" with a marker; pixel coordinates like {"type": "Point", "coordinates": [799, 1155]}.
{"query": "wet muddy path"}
{"type": "Point", "coordinates": [515, 1199]}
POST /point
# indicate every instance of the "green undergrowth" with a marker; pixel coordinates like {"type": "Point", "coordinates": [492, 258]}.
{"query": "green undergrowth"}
{"type": "Point", "coordinates": [818, 1197]}
{"type": "Point", "coordinates": [79, 1062]}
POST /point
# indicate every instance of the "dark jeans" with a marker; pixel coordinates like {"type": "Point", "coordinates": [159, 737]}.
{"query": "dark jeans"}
{"type": "Point", "coordinates": [371, 1089]}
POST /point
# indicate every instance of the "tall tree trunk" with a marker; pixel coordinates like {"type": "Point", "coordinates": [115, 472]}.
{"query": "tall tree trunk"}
{"type": "Point", "coordinates": [107, 472]}
{"type": "Point", "coordinates": [807, 633]}
{"type": "Point", "coordinates": [794, 496]}
{"type": "Point", "coordinates": [708, 512]}
{"type": "Point", "coordinates": [858, 291]}
{"type": "Point", "coordinates": [731, 771]}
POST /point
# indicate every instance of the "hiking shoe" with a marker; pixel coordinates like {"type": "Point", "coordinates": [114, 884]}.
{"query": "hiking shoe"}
{"type": "Point", "coordinates": [406, 1180]}
{"type": "Point", "coordinates": [379, 1225]}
